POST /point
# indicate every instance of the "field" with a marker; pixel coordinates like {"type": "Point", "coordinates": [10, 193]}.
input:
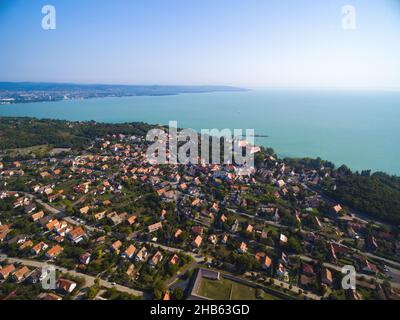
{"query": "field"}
{"type": "Point", "coordinates": [225, 289]}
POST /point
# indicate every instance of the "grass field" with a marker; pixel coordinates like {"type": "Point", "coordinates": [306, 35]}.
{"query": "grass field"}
{"type": "Point", "coordinates": [225, 289]}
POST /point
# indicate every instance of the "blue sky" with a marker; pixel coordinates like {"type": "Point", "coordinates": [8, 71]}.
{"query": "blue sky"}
{"type": "Point", "coordinates": [250, 43]}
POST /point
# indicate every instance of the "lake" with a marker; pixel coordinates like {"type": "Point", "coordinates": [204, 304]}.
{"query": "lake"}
{"type": "Point", "coordinates": [358, 128]}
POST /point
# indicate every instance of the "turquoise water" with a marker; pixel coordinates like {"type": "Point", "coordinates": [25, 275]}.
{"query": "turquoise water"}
{"type": "Point", "coordinates": [359, 129]}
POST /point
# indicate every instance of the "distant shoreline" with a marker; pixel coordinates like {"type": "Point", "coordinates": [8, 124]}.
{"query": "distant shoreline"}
{"type": "Point", "coordinates": [30, 92]}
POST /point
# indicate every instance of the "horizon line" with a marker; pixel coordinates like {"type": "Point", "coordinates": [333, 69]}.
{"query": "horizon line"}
{"type": "Point", "coordinates": [248, 87]}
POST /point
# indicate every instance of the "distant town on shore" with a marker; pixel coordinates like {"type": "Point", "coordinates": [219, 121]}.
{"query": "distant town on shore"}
{"type": "Point", "coordinates": [24, 92]}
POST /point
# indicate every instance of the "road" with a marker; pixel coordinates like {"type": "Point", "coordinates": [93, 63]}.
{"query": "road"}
{"type": "Point", "coordinates": [45, 205]}
{"type": "Point", "coordinates": [269, 222]}
{"type": "Point", "coordinates": [337, 268]}
{"type": "Point", "coordinates": [90, 281]}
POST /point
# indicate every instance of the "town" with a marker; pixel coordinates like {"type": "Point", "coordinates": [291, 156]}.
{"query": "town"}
{"type": "Point", "coordinates": [116, 226]}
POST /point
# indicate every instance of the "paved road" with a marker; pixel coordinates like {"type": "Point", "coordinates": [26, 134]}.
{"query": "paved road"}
{"type": "Point", "coordinates": [394, 284]}
{"type": "Point", "coordinates": [45, 205]}
{"type": "Point", "coordinates": [269, 222]}
{"type": "Point", "coordinates": [90, 281]}
{"type": "Point", "coordinates": [291, 288]}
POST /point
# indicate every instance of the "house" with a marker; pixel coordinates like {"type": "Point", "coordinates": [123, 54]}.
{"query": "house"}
{"type": "Point", "coordinates": [130, 270]}
{"type": "Point", "coordinates": [129, 252]}
{"type": "Point", "coordinates": [100, 215]}
{"type": "Point", "coordinates": [54, 252]}
{"type": "Point", "coordinates": [178, 233]}
{"type": "Point", "coordinates": [197, 241]}
{"type": "Point", "coordinates": [243, 248]}
{"type": "Point", "coordinates": [51, 297]}
{"type": "Point", "coordinates": [131, 220]}
{"type": "Point", "coordinates": [235, 226]}
{"type": "Point", "coordinates": [224, 239]}
{"type": "Point", "coordinates": [281, 271]}
{"type": "Point", "coordinates": [156, 259]}
{"type": "Point", "coordinates": [6, 271]}
{"type": "Point", "coordinates": [197, 230]}
{"type": "Point", "coordinates": [26, 245]}
{"type": "Point", "coordinates": [174, 260]}
{"type": "Point", "coordinates": [65, 286]}
{"type": "Point", "coordinates": [283, 239]}
{"type": "Point", "coordinates": [166, 296]}
{"type": "Point", "coordinates": [116, 246]}
{"type": "Point", "coordinates": [213, 239]}
{"type": "Point", "coordinates": [85, 258]}
{"type": "Point", "coordinates": [264, 234]}
{"type": "Point", "coordinates": [37, 216]}
{"type": "Point", "coordinates": [154, 227]}
{"type": "Point", "coordinates": [39, 247]}
{"type": "Point", "coordinates": [332, 252]}
{"type": "Point", "coordinates": [4, 231]}
{"type": "Point", "coordinates": [115, 218]}
{"type": "Point", "coordinates": [84, 210]}
{"type": "Point", "coordinates": [36, 276]}
{"type": "Point", "coordinates": [52, 224]}
{"type": "Point", "coordinates": [337, 209]}
{"type": "Point", "coordinates": [266, 263]}
{"type": "Point", "coordinates": [141, 255]}
{"type": "Point", "coordinates": [326, 276]}
{"type": "Point", "coordinates": [368, 267]}
{"type": "Point", "coordinates": [305, 281]}
{"type": "Point", "coordinates": [308, 269]}
{"type": "Point", "coordinates": [280, 184]}
{"type": "Point", "coordinates": [76, 235]}
{"type": "Point", "coordinates": [249, 228]}
{"type": "Point", "coordinates": [21, 273]}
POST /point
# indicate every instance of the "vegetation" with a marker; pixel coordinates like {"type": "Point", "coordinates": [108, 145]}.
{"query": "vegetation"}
{"type": "Point", "coordinates": [28, 132]}
{"type": "Point", "coordinates": [377, 195]}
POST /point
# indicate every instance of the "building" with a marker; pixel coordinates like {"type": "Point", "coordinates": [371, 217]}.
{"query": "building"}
{"type": "Point", "coordinates": [53, 252]}
{"type": "Point", "coordinates": [156, 259]}
{"type": "Point", "coordinates": [326, 276]}
{"type": "Point", "coordinates": [129, 252]}
{"type": "Point", "coordinates": [197, 241]}
{"type": "Point", "coordinates": [141, 255]}
{"type": "Point", "coordinates": [116, 246]}
{"type": "Point", "coordinates": [243, 248]}
{"type": "Point", "coordinates": [6, 271]}
{"type": "Point", "coordinates": [21, 273]}
{"type": "Point", "coordinates": [154, 227]}
{"type": "Point", "coordinates": [65, 286]}
{"type": "Point", "coordinates": [76, 235]}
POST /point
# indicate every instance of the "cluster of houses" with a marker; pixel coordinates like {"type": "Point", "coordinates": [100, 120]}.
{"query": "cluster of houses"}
{"type": "Point", "coordinates": [113, 163]}
{"type": "Point", "coordinates": [23, 274]}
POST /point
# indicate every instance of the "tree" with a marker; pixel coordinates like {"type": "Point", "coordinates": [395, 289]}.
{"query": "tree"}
{"type": "Point", "coordinates": [294, 245]}
{"type": "Point", "coordinates": [178, 293]}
